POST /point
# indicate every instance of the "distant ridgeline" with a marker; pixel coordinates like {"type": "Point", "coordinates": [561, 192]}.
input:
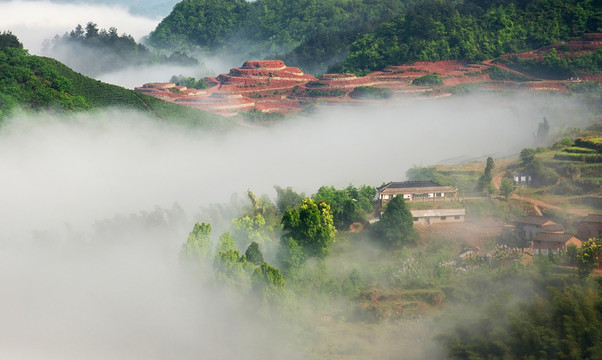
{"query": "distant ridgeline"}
{"type": "Point", "coordinates": [360, 36]}
{"type": "Point", "coordinates": [38, 83]}
{"type": "Point", "coordinates": [94, 51]}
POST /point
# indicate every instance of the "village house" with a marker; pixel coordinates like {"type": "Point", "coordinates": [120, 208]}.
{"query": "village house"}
{"type": "Point", "coordinates": [590, 227]}
{"type": "Point", "coordinates": [521, 178]}
{"type": "Point", "coordinates": [527, 227]}
{"type": "Point", "coordinates": [435, 216]}
{"type": "Point", "coordinates": [416, 191]}
{"type": "Point", "coordinates": [545, 243]}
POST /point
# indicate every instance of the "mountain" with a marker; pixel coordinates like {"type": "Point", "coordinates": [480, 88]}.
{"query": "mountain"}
{"type": "Point", "coordinates": [263, 28]}
{"type": "Point", "coordinates": [38, 83]}
{"type": "Point", "coordinates": [360, 36]}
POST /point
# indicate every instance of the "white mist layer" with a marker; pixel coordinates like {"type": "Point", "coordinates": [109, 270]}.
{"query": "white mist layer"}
{"type": "Point", "coordinates": [71, 291]}
{"type": "Point", "coordinates": [35, 21]}
{"type": "Point", "coordinates": [137, 76]}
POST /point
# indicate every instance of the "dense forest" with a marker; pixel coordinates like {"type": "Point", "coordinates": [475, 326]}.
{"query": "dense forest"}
{"type": "Point", "coordinates": [264, 27]}
{"type": "Point", "coordinates": [470, 30]}
{"type": "Point", "coordinates": [367, 35]}
{"type": "Point", "coordinates": [95, 51]}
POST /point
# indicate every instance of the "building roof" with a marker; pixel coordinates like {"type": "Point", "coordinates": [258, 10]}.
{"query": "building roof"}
{"type": "Point", "coordinates": [552, 237]}
{"type": "Point", "coordinates": [415, 185]}
{"type": "Point", "coordinates": [438, 212]}
{"type": "Point", "coordinates": [533, 220]}
{"type": "Point", "coordinates": [553, 227]}
{"type": "Point", "coordinates": [594, 218]}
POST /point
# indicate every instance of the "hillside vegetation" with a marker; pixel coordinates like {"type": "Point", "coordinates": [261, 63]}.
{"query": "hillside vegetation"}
{"type": "Point", "coordinates": [38, 83]}
{"type": "Point", "coordinates": [434, 30]}
{"type": "Point", "coordinates": [314, 34]}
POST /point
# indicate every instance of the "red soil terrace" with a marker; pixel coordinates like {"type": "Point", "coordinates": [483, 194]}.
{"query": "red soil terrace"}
{"type": "Point", "coordinates": [270, 86]}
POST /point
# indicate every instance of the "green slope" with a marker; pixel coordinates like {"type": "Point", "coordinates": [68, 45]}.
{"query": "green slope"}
{"type": "Point", "coordinates": [100, 95]}
{"type": "Point", "coordinates": [35, 83]}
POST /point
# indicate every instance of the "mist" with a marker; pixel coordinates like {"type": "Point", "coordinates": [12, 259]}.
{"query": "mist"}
{"type": "Point", "coordinates": [80, 282]}
{"type": "Point", "coordinates": [35, 21]}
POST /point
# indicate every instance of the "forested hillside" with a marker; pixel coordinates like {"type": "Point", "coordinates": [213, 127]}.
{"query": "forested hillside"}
{"type": "Point", "coordinates": [264, 27]}
{"type": "Point", "coordinates": [315, 34]}
{"type": "Point", "coordinates": [472, 30]}
{"type": "Point", "coordinates": [37, 83]}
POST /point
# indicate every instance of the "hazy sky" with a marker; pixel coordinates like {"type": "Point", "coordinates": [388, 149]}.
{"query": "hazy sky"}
{"type": "Point", "coordinates": [35, 21]}
{"type": "Point", "coordinates": [83, 278]}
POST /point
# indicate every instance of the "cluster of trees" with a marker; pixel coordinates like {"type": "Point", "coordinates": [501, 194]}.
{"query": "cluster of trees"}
{"type": "Point", "coordinates": [189, 82]}
{"type": "Point", "coordinates": [473, 30]}
{"type": "Point", "coordinates": [95, 51]}
{"type": "Point", "coordinates": [295, 229]}
{"type": "Point", "coordinates": [31, 83]}
{"type": "Point", "coordinates": [554, 66]}
{"type": "Point", "coordinates": [562, 321]}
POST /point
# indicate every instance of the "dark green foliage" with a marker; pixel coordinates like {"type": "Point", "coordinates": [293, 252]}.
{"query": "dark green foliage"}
{"type": "Point", "coordinates": [553, 66]}
{"type": "Point", "coordinates": [496, 73]}
{"type": "Point", "coordinates": [396, 227]}
{"type": "Point", "coordinates": [8, 39]}
{"type": "Point", "coordinates": [189, 82]}
{"type": "Point", "coordinates": [347, 205]}
{"type": "Point", "coordinates": [433, 30]}
{"type": "Point", "coordinates": [253, 254]}
{"type": "Point", "coordinates": [370, 92]}
{"type": "Point", "coordinates": [564, 323]}
{"type": "Point", "coordinates": [94, 51]}
{"type": "Point", "coordinates": [287, 199]}
{"type": "Point", "coordinates": [325, 92]}
{"type": "Point", "coordinates": [31, 83]}
{"type": "Point", "coordinates": [428, 80]}
{"type": "Point", "coordinates": [311, 226]}
{"type": "Point", "coordinates": [272, 27]}
{"type": "Point", "coordinates": [485, 179]}
{"type": "Point", "coordinates": [202, 23]}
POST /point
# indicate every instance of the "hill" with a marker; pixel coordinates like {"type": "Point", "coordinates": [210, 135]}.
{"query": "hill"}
{"type": "Point", "coordinates": [39, 83]}
{"type": "Point", "coordinates": [364, 36]}
{"type": "Point", "coordinates": [261, 88]}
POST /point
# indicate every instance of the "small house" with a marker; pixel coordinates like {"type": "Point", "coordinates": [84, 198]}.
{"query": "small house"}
{"type": "Point", "coordinates": [436, 216]}
{"type": "Point", "coordinates": [590, 227]}
{"type": "Point", "coordinates": [416, 191]}
{"type": "Point", "coordinates": [521, 178]}
{"type": "Point", "coordinates": [527, 227]}
{"type": "Point", "coordinates": [545, 243]}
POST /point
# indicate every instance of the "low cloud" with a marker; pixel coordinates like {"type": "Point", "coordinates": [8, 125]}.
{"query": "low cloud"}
{"type": "Point", "coordinates": [73, 291]}
{"type": "Point", "coordinates": [35, 21]}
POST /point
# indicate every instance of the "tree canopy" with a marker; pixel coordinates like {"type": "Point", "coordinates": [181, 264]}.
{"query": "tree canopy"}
{"type": "Point", "coordinates": [396, 226]}
{"type": "Point", "coordinates": [311, 226]}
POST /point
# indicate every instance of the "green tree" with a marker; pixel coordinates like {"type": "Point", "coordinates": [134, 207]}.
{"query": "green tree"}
{"type": "Point", "coordinates": [253, 254]}
{"type": "Point", "coordinates": [199, 244]}
{"type": "Point", "coordinates": [232, 270]}
{"type": "Point", "coordinates": [588, 257]}
{"type": "Point", "coordinates": [311, 226]}
{"type": "Point", "coordinates": [542, 130]}
{"type": "Point", "coordinates": [486, 177]}
{"type": "Point", "coordinates": [527, 155]}
{"type": "Point", "coordinates": [225, 243]}
{"type": "Point", "coordinates": [506, 188]}
{"type": "Point", "coordinates": [396, 226]}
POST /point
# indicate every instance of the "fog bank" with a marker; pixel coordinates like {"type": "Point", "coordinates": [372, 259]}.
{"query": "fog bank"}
{"type": "Point", "coordinates": [35, 21]}
{"type": "Point", "coordinates": [75, 289]}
